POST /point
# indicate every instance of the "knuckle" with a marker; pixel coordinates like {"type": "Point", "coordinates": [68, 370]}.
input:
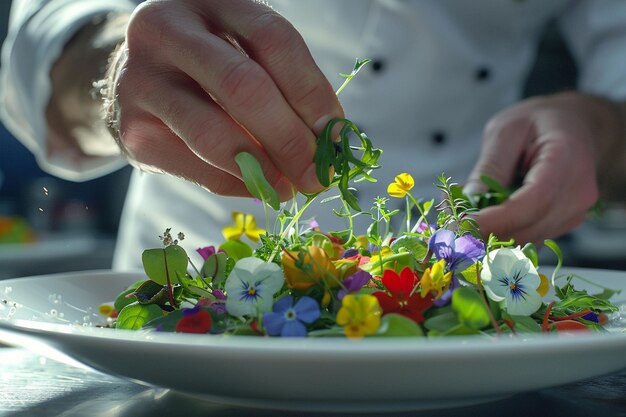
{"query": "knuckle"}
{"type": "Point", "coordinates": [244, 82]}
{"type": "Point", "coordinates": [292, 150]}
{"type": "Point", "coordinates": [271, 33]}
{"type": "Point", "coordinates": [312, 94]}
{"type": "Point", "coordinates": [206, 137]}
{"type": "Point", "coordinates": [152, 22]}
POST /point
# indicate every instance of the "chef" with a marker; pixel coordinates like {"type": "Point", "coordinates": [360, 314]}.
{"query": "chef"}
{"type": "Point", "coordinates": [190, 83]}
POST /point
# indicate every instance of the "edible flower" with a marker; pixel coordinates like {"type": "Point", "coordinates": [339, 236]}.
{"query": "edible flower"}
{"type": "Point", "coordinates": [402, 298]}
{"type": "Point", "coordinates": [194, 320]}
{"type": "Point", "coordinates": [289, 320]}
{"type": "Point", "coordinates": [353, 283]}
{"type": "Point", "coordinates": [434, 279]}
{"type": "Point", "coordinates": [510, 277]}
{"type": "Point", "coordinates": [304, 269]}
{"type": "Point", "coordinates": [206, 251]}
{"type": "Point", "coordinates": [244, 224]}
{"type": "Point", "coordinates": [359, 315]}
{"type": "Point", "coordinates": [403, 183]}
{"type": "Point", "coordinates": [251, 286]}
{"type": "Point", "coordinates": [459, 253]}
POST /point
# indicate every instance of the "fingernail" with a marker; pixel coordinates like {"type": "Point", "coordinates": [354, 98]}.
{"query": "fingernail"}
{"type": "Point", "coordinates": [320, 125]}
{"type": "Point", "coordinates": [310, 183]}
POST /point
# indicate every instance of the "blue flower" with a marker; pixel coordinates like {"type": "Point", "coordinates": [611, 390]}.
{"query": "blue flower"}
{"type": "Point", "coordinates": [289, 320]}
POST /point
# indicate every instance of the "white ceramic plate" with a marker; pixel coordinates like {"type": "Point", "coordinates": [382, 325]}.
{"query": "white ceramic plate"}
{"type": "Point", "coordinates": [57, 313]}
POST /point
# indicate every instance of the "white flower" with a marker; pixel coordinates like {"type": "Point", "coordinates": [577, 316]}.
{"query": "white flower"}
{"type": "Point", "coordinates": [251, 286]}
{"type": "Point", "coordinates": [509, 276]}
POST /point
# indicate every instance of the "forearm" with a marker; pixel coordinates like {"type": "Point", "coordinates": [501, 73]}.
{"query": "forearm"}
{"type": "Point", "coordinates": [74, 112]}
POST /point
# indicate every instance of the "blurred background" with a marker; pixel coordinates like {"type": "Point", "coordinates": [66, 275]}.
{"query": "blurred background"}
{"type": "Point", "coordinates": [49, 225]}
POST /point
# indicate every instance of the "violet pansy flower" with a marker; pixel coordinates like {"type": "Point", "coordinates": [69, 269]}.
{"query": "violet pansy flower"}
{"type": "Point", "coordinates": [353, 283]}
{"type": "Point", "coordinates": [458, 253]}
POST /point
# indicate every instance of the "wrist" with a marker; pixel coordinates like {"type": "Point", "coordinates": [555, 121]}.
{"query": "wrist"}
{"type": "Point", "coordinates": [74, 112]}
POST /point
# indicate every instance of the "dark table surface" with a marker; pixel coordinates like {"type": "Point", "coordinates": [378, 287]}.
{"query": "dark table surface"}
{"type": "Point", "coordinates": [33, 386]}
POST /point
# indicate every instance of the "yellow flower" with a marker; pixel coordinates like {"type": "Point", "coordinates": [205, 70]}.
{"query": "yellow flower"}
{"type": "Point", "coordinates": [106, 309]}
{"type": "Point", "coordinates": [303, 272]}
{"type": "Point", "coordinates": [433, 279]}
{"type": "Point", "coordinates": [359, 315]}
{"type": "Point", "coordinates": [544, 285]}
{"type": "Point", "coordinates": [244, 224]}
{"type": "Point", "coordinates": [402, 184]}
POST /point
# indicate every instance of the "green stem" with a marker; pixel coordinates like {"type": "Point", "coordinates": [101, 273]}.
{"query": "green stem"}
{"type": "Point", "coordinates": [408, 213]}
{"type": "Point", "coordinates": [422, 215]}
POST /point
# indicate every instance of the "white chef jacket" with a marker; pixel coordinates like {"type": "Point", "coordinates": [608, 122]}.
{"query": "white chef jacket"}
{"type": "Point", "coordinates": [441, 70]}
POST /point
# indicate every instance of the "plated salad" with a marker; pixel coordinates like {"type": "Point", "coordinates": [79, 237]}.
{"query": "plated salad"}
{"type": "Point", "coordinates": [432, 276]}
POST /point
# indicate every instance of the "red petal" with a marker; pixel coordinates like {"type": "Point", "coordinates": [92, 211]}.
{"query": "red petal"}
{"type": "Point", "coordinates": [393, 282]}
{"type": "Point", "coordinates": [198, 323]}
{"type": "Point", "coordinates": [387, 302]}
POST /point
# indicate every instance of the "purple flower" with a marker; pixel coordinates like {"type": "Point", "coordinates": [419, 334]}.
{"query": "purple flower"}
{"type": "Point", "coordinates": [206, 251]}
{"type": "Point", "coordinates": [349, 253]}
{"type": "Point", "coordinates": [372, 248]}
{"type": "Point", "coordinates": [591, 316]}
{"type": "Point", "coordinates": [459, 253]}
{"type": "Point", "coordinates": [289, 320]}
{"type": "Point", "coordinates": [218, 305]}
{"type": "Point", "coordinates": [353, 283]}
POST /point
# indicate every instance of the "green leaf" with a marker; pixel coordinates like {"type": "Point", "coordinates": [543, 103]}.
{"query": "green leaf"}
{"type": "Point", "coordinates": [123, 299]}
{"type": "Point", "coordinates": [470, 308]}
{"type": "Point", "coordinates": [412, 244]}
{"type": "Point", "coordinates": [135, 315]}
{"type": "Point", "coordinates": [494, 185]}
{"type": "Point", "coordinates": [236, 249]}
{"type": "Point", "coordinates": [161, 263]}
{"type": "Point", "coordinates": [555, 248]}
{"type": "Point", "coordinates": [442, 322]}
{"type": "Point", "coordinates": [526, 324]}
{"type": "Point", "coordinates": [530, 250]}
{"type": "Point", "coordinates": [396, 262]}
{"type": "Point", "coordinates": [255, 180]}
{"type": "Point", "coordinates": [396, 325]}
{"type": "Point", "coordinates": [215, 267]}
{"type": "Point", "coordinates": [151, 293]}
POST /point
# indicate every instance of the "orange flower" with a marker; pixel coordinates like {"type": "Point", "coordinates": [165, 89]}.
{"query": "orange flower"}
{"type": "Point", "coordinates": [307, 268]}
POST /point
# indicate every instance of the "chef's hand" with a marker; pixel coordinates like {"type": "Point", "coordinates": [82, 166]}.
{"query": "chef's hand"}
{"type": "Point", "coordinates": [199, 81]}
{"type": "Point", "coordinates": [555, 143]}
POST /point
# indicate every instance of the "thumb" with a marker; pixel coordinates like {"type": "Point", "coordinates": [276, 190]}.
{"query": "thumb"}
{"type": "Point", "coordinates": [504, 142]}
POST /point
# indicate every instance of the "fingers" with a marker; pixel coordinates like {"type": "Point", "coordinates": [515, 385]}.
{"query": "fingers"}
{"type": "Point", "coordinates": [206, 129]}
{"type": "Point", "coordinates": [554, 198]}
{"type": "Point", "coordinates": [504, 142]}
{"type": "Point", "coordinates": [276, 101]}
{"type": "Point", "coordinates": [161, 148]}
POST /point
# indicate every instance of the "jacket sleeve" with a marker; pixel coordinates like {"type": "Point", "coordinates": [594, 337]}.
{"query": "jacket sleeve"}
{"type": "Point", "coordinates": [37, 33]}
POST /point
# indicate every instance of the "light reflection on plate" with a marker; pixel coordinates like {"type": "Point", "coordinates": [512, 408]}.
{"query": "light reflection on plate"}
{"type": "Point", "coordinates": [55, 315]}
